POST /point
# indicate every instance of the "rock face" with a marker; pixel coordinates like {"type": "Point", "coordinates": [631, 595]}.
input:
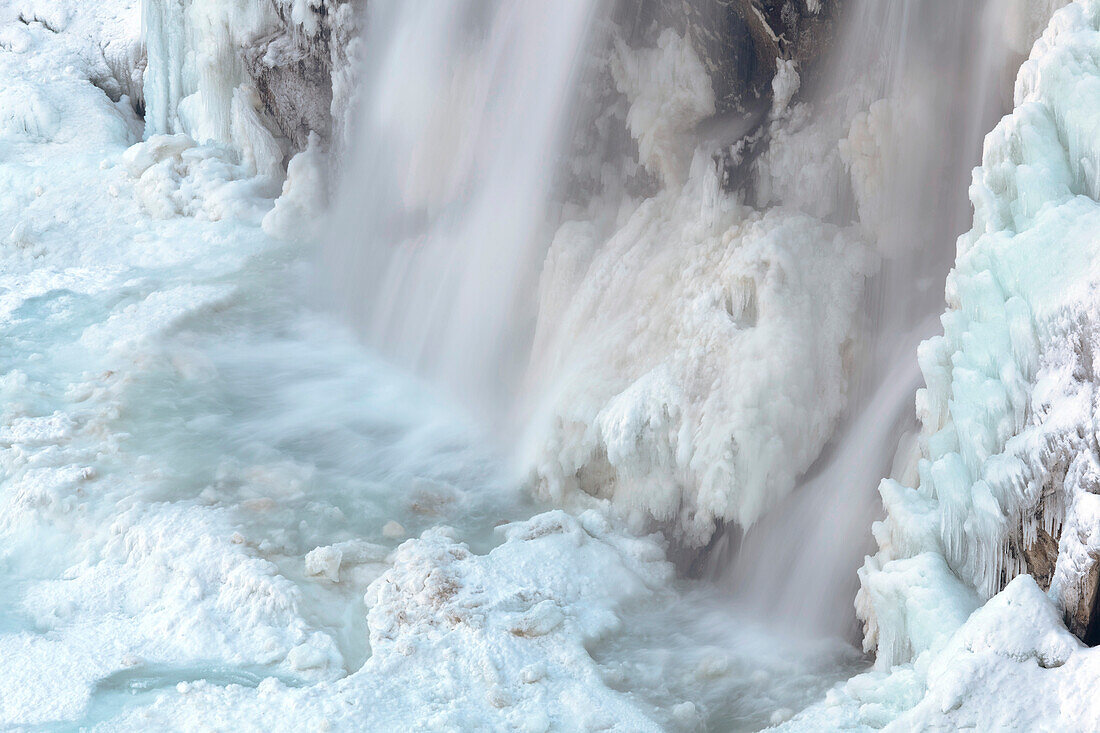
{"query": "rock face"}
{"type": "Point", "coordinates": [740, 41]}
{"type": "Point", "coordinates": [301, 69]}
{"type": "Point", "coordinates": [257, 76]}
{"type": "Point", "coordinates": [742, 44]}
{"type": "Point", "coordinates": [293, 76]}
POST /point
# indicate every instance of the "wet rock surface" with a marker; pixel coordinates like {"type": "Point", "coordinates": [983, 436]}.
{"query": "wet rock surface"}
{"type": "Point", "coordinates": [301, 69]}
{"type": "Point", "coordinates": [739, 41]}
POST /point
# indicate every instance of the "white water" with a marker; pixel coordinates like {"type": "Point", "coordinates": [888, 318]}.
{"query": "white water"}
{"type": "Point", "coordinates": [807, 579]}
{"type": "Point", "coordinates": [440, 225]}
{"type": "Point", "coordinates": [944, 70]}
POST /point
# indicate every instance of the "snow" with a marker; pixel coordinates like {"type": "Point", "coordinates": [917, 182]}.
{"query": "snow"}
{"type": "Point", "coordinates": [454, 638]}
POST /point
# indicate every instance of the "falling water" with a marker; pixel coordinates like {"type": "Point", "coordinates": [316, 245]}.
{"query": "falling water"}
{"type": "Point", "coordinates": [942, 67]}
{"type": "Point", "coordinates": [437, 242]}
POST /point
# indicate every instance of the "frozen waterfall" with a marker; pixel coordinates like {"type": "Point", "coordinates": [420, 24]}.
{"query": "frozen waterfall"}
{"type": "Point", "coordinates": [549, 366]}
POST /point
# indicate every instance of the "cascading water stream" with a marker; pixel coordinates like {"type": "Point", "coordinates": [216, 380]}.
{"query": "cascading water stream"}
{"type": "Point", "coordinates": [436, 246]}
{"type": "Point", "coordinates": [799, 563]}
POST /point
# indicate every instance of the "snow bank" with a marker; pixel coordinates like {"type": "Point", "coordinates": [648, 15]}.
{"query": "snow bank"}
{"type": "Point", "coordinates": [465, 641]}
{"type": "Point", "coordinates": [1011, 666]}
{"type": "Point", "coordinates": [674, 352]}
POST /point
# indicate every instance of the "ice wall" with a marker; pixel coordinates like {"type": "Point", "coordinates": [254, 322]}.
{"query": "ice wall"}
{"type": "Point", "coordinates": [1009, 474]}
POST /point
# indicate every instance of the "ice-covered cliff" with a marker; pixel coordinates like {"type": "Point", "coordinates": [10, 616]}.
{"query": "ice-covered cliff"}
{"type": "Point", "coordinates": [988, 561]}
{"type": "Point", "coordinates": [1008, 448]}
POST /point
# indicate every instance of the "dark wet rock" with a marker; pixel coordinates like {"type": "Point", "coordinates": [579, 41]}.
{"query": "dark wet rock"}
{"type": "Point", "coordinates": [1040, 557]}
{"type": "Point", "coordinates": [739, 41]}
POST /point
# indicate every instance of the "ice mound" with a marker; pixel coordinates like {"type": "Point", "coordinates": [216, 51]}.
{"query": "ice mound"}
{"type": "Point", "coordinates": [174, 176]}
{"type": "Point", "coordinates": [675, 351]}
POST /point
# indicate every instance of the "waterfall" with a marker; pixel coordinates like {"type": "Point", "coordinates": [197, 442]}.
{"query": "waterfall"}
{"type": "Point", "coordinates": [445, 214]}
{"type": "Point", "coordinates": [799, 563]}
{"type": "Point", "coordinates": [439, 233]}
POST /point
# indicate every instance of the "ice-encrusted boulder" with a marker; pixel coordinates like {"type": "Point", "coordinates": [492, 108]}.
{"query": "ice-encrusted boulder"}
{"type": "Point", "coordinates": [673, 352]}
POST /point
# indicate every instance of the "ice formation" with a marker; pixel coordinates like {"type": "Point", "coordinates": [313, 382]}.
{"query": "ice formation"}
{"type": "Point", "coordinates": [1004, 508]}
{"type": "Point", "coordinates": [1007, 455]}
{"type": "Point", "coordinates": [673, 354]}
{"type": "Point", "coordinates": [250, 74]}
